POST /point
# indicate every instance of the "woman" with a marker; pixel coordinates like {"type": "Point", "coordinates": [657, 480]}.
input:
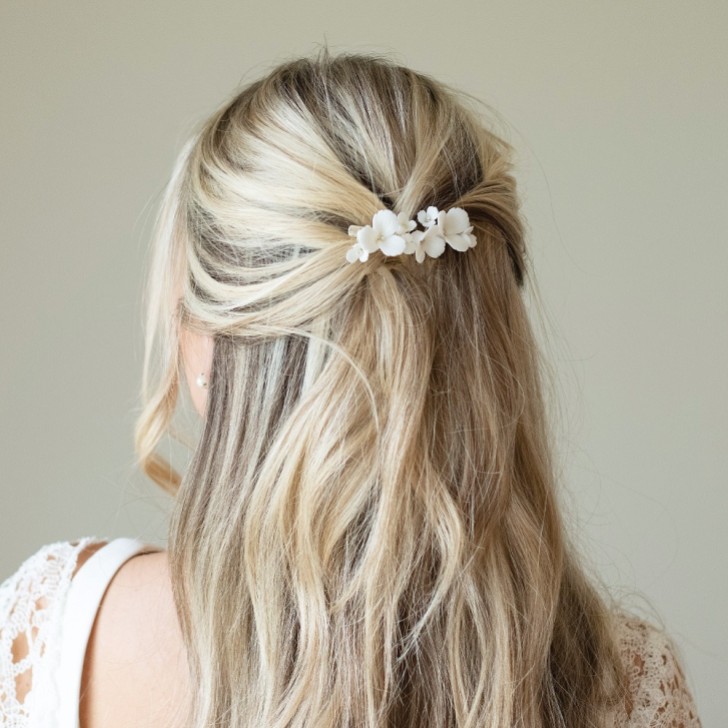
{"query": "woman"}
{"type": "Point", "coordinates": [368, 533]}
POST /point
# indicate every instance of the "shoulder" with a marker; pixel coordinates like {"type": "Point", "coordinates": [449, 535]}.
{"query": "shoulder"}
{"type": "Point", "coordinates": [31, 602]}
{"type": "Point", "coordinates": [137, 614]}
{"type": "Point", "coordinates": [135, 665]}
{"type": "Point", "coordinates": [658, 690]}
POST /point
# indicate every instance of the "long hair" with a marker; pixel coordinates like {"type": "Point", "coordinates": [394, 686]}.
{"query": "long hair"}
{"type": "Point", "coordinates": [368, 533]}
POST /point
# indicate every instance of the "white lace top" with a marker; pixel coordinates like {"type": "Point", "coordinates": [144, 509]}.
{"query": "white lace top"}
{"type": "Point", "coordinates": [47, 611]}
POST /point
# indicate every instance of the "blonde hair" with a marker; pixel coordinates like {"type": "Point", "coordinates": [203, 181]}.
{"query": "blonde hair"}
{"type": "Point", "coordinates": [368, 533]}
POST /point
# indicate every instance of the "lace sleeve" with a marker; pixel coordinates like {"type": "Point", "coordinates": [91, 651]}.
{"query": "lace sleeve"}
{"type": "Point", "coordinates": [659, 695]}
{"type": "Point", "coordinates": [31, 602]}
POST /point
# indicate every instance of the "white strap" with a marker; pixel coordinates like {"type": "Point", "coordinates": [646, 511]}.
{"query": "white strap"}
{"type": "Point", "coordinates": [84, 597]}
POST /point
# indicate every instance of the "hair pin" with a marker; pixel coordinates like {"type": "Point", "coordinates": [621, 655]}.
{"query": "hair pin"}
{"type": "Point", "coordinates": [396, 235]}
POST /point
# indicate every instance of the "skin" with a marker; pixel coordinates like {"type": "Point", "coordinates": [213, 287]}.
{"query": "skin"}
{"type": "Point", "coordinates": [197, 358]}
{"type": "Point", "coordinates": [135, 669]}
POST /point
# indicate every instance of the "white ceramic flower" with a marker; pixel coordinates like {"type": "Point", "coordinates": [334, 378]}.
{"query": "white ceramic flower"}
{"type": "Point", "coordinates": [454, 226]}
{"type": "Point", "coordinates": [429, 242]}
{"type": "Point", "coordinates": [395, 234]}
{"type": "Point", "coordinates": [427, 218]}
{"type": "Point", "coordinates": [388, 232]}
{"type": "Point", "coordinates": [364, 244]}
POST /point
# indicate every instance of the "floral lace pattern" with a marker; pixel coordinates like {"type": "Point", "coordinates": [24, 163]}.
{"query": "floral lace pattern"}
{"type": "Point", "coordinates": [31, 610]}
{"type": "Point", "coordinates": [31, 603]}
{"type": "Point", "coordinates": [660, 697]}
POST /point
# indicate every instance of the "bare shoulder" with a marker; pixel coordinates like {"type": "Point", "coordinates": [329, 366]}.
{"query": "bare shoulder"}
{"type": "Point", "coordinates": [135, 668]}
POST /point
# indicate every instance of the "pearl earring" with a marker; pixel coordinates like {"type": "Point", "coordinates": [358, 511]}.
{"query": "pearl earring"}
{"type": "Point", "coordinates": [202, 381]}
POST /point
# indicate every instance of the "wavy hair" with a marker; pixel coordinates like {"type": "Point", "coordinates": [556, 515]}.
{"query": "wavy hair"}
{"type": "Point", "coordinates": [368, 532]}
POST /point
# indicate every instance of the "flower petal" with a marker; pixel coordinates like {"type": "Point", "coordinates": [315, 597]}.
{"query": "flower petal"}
{"type": "Point", "coordinates": [412, 241]}
{"type": "Point", "coordinates": [352, 255]}
{"type": "Point", "coordinates": [393, 245]}
{"type": "Point", "coordinates": [354, 229]}
{"type": "Point", "coordinates": [405, 225]}
{"type": "Point", "coordinates": [433, 243]}
{"type": "Point", "coordinates": [385, 222]}
{"type": "Point", "coordinates": [456, 221]}
{"type": "Point", "coordinates": [428, 217]}
{"type": "Point", "coordinates": [368, 238]}
{"type": "Point", "coordinates": [459, 242]}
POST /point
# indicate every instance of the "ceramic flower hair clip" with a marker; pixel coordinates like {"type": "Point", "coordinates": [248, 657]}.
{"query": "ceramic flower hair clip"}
{"type": "Point", "coordinates": [396, 235]}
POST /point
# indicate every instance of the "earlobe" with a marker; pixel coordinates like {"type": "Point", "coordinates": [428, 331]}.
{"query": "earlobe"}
{"type": "Point", "coordinates": [197, 350]}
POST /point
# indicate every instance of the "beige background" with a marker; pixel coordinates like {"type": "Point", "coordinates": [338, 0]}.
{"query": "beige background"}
{"type": "Point", "coordinates": [619, 114]}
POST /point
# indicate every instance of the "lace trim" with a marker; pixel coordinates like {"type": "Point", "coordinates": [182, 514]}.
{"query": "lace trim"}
{"type": "Point", "coordinates": [659, 694]}
{"type": "Point", "coordinates": [31, 605]}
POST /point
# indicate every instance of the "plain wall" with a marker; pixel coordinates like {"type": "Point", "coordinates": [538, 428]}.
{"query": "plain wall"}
{"type": "Point", "coordinates": [618, 112]}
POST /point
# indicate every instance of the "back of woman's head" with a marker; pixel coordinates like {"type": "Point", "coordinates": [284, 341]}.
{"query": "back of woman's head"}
{"type": "Point", "coordinates": [368, 533]}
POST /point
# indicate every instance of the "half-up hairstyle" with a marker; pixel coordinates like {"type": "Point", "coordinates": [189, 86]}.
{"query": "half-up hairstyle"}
{"type": "Point", "coordinates": [368, 534]}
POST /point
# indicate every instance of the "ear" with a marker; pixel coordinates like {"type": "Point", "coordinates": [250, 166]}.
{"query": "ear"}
{"type": "Point", "coordinates": [197, 350]}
